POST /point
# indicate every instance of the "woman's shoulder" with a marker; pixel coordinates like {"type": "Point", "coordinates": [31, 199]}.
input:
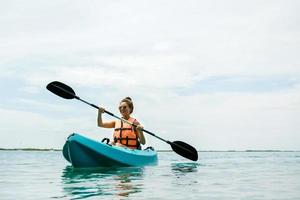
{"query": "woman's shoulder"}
{"type": "Point", "coordinates": [134, 120]}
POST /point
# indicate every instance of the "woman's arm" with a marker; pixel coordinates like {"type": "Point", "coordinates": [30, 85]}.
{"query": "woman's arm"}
{"type": "Point", "coordinates": [110, 124]}
{"type": "Point", "coordinates": [140, 134]}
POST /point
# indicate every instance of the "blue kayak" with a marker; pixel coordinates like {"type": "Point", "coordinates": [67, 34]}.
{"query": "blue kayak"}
{"type": "Point", "coordinates": [81, 151]}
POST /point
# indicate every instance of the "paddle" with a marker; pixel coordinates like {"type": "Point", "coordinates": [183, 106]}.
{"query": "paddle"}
{"type": "Point", "coordinates": [179, 147]}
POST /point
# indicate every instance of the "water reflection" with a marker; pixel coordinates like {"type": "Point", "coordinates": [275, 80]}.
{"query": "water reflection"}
{"type": "Point", "coordinates": [184, 168]}
{"type": "Point", "coordinates": [84, 183]}
{"type": "Point", "coordinates": [185, 174]}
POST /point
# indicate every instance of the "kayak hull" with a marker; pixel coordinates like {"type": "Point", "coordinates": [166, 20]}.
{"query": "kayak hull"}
{"type": "Point", "coordinates": [81, 152]}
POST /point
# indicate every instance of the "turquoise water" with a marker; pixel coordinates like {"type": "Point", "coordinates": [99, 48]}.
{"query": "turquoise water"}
{"type": "Point", "coordinates": [217, 175]}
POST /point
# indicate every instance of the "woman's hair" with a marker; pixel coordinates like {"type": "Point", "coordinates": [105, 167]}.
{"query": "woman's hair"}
{"type": "Point", "coordinates": [129, 102]}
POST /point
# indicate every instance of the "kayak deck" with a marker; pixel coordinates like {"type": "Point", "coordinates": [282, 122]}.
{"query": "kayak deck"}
{"type": "Point", "coordinates": [81, 151]}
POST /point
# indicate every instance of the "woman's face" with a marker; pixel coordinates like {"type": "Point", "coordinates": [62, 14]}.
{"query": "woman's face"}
{"type": "Point", "coordinates": [124, 109]}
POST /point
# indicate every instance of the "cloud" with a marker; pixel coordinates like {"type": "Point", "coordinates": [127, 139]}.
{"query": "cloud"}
{"type": "Point", "coordinates": [220, 75]}
{"type": "Point", "coordinates": [230, 120]}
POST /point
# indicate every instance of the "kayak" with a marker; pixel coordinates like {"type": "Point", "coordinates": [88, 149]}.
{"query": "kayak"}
{"type": "Point", "coordinates": [81, 151]}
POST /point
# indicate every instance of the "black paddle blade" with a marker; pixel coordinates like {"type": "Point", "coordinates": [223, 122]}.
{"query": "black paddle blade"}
{"type": "Point", "coordinates": [61, 90]}
{"type": "Point", "coordinates": [185, 150]}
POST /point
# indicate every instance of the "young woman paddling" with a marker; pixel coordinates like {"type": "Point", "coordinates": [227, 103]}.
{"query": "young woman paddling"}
{"type": "Point", "coordinates": [124, 134]}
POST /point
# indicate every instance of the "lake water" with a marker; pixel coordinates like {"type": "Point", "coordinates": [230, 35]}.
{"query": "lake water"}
{"type": "Point", "coordinates": [217, 175]}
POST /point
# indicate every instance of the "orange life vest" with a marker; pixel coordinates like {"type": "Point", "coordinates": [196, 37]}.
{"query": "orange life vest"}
{"type": "Point", "coordinates": [126, 134]}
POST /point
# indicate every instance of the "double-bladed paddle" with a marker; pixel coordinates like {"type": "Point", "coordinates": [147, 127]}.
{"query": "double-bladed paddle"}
{"type": "Point", "coordinates": [179, 147]}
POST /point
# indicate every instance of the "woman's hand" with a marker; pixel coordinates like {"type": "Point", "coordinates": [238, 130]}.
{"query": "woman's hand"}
{"type": "Point", "coordinates": [110, 124]}
{"type": "Point", "coordinates": [101, 110]}
{"type": "Point", "coordinates": [140, 128]}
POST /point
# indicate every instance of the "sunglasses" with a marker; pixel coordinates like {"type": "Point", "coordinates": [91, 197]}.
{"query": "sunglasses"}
{"type": "Point", "coordinates": [121, 107]}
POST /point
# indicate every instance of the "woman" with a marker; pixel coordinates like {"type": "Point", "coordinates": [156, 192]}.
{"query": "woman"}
{"type": "Point", "coordinates": [124, 135]}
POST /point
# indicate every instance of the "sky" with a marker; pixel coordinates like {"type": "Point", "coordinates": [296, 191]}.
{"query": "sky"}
{"type": "Point", "coordinates": [218, 75]}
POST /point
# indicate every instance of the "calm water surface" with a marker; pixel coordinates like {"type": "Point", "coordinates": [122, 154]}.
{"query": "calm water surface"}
{"type": "Point", "coordinates": [217, 175]}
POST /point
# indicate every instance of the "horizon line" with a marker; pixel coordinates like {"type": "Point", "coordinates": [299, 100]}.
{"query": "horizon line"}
{"type": "Point", "coordinates": [159, 150]}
